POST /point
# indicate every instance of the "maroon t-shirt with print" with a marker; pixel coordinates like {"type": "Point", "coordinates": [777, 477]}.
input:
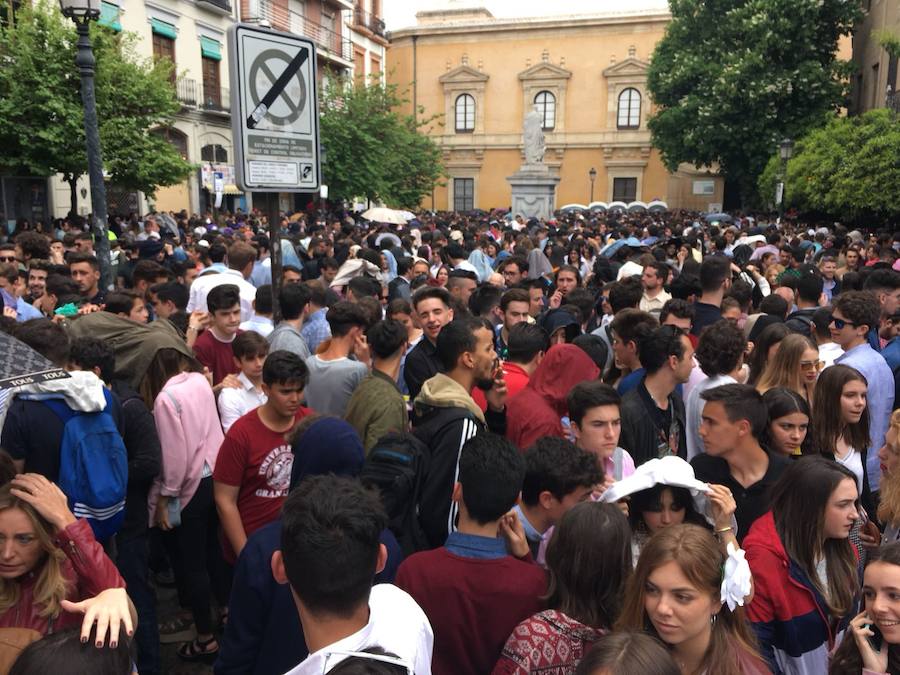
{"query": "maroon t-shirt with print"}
{"type": "Point", "coordinates": [258, 461]}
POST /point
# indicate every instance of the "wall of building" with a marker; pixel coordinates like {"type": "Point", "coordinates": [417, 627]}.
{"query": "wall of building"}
{"type": "Point", "coordinates": [586, 62]}
{"type": "Point", "coordinates": [875, 69]}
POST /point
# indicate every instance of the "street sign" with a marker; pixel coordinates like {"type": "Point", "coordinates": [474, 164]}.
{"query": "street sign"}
{"type": "Point", "coordinates": [274, 110]}
{"type": "Point", "coordinates": [779, 192]}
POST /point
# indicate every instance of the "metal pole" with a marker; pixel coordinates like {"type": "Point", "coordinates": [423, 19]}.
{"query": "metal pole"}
{"type": "Point", "coordinates": [274, 253]}
{"type": "Point", "coordinates": [592, 191]}
{"type": "Point", "coordinates": [86, 62]}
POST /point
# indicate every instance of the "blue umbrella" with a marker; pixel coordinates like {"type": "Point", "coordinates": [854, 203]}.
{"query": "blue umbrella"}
{"type": "Point", "coordinates": [718, 217]}
{"type": "Point", "coordinates": [611, 250]}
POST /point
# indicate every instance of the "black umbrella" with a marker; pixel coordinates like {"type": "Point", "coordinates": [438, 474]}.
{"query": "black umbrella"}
{"type": "Point", "coordinates": [20, 364]}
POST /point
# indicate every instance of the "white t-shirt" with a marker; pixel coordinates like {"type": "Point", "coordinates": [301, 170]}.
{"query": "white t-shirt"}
{"type": "Point", "coordinates": [396, 624]}
{"type": "Point", "coordinates": [853, 461]}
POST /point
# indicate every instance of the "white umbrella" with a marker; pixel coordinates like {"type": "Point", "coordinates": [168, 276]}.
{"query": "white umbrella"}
{"type": "Point", "coordinates": [384, 215]}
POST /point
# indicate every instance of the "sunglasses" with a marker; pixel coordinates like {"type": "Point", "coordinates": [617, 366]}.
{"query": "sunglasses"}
{"type": "Point", "coordinates": [840, 323]}
{"type": "Point", "coordinates": [8, 259]}
{"type": "Point", "coordinates": [811, 365]}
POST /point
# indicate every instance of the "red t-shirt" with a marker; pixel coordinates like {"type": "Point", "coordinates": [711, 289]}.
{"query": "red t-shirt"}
{"type": "Point", "coordinates": [258, 461]}
{"type": "Point", "coordinates": [215, 355]}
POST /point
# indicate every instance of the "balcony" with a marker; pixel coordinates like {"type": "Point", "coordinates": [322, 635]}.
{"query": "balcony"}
{"type": "Point", "coordinates": [367, 22]}
{"type": "Point", "coordinates": [187, 92]}
{"type": "Point", "coordinates": [216, 100]}
{"type": "Point", "coordinates": [194, 96]}
{"type": "Point", "coordinates": [332, 43]}
{"type": "Point", "coordinates": [218, 6]}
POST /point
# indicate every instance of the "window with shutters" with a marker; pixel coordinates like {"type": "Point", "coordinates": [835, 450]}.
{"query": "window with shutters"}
{"type": "Point", "coordinates": [463, 194]}
{"type": "Point", "coordinates": [212, 89]}
{"type": "Point", "coordinates": [164, 48]}
{"type": "Point", "coordinates": [625, 190]}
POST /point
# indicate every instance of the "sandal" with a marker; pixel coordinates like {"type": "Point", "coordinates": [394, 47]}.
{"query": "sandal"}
{"type": "Point", "coordinates": [197, 650]}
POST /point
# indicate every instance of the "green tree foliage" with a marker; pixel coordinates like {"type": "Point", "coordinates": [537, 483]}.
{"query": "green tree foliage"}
{"type": "Point", "coordinates": [372, 151]}
{"type": "Point", "coordinates": [41, 114]}
{"type": "Point", "coordinates": [849, 168]}
{"type": "Point", "coordinates": [731, 78]}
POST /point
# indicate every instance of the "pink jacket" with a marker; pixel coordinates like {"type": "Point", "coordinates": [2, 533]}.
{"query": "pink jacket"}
{"type": "Point", "coordinates": [190, 434]}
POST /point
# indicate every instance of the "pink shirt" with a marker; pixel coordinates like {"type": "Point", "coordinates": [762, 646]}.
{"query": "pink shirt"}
{"type": "Point", "coordinates": [190, 435]}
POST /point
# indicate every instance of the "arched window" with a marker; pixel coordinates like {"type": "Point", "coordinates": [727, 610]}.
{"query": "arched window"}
{"type": "Point", "coordinates": [629, 109]}
{"type": "Point", "coordinates": [545, 102]}
{"type": "Point", "coordinates": [214, 153]}
{"type": "Point", "coordinates": [176, 138]}
{"type": "Point", "coordinates": [465, 113]}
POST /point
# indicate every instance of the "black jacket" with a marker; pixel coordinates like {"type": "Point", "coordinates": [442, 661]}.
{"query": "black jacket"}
{"type": "Point", "coordinates": [445, 429]}
{"type": "Point", "coordinates": [641, 426]}
{"type": "Point", "coordinates": [421, 363]}
{"type": "Point", "coordinates": [144, 458]}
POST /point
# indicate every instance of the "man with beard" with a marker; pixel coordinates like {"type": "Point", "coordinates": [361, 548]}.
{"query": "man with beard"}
{"type": "Point", "coordinates": [446, 416]}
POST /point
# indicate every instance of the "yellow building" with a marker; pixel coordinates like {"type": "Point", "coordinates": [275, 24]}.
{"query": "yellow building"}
{"type": "Point", "coordinates": [875, 80]}
{"type": "Point", "coordinates": [587, 76]}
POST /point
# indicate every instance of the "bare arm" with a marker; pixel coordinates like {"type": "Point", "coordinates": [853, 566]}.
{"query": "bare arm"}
{"type": "Point", "coordinates": [226, 504]}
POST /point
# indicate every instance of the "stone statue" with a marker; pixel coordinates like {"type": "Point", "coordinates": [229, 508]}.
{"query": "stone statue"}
{"type": "Point", "coordinates": [534, 137]}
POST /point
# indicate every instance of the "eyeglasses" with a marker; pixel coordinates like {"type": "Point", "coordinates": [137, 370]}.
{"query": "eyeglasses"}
{"type": "Point", "coordinates": [840, 323]}
{"type": "Point", "coordinates": [8, 258]}
{"type": "Point", "coordinates": [382, 658]}
{"type": "Point", "coordinates": [811, 365]}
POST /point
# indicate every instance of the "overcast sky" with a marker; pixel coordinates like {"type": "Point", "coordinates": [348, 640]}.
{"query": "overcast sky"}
{"type": "Point", "coordinates": [402, 13]}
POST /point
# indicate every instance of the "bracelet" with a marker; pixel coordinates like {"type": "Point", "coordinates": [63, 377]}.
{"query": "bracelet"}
{"type": "Point", "coordinates": [724, 529]}
{"type": "Point", "coordinates": [196, 330]}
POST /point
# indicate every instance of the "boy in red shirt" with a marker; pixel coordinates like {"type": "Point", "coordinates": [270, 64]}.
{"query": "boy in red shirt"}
{"type": "Point", "coordinates": [213, 347]}
{"type": "Point", "coordinates": [253, 469]}
{"type": "Point", "coordinates": [473, 592]}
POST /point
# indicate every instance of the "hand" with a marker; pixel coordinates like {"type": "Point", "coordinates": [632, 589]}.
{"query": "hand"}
{"type": "Point", "coordinates": [555, 300]}
{"type": "Point", "coordinates": [752, 270]}
{"type": "Point", "coordinates": [108, 609]}
{"type": "Point", "coordinates": [871, 660]}
{"type": "Point", "coordinates": [496, 395]}
{"type": "Point", "coordinates": [870, 535]}
{"type": "Point", "coordinates": [230, 381]}
{"type": "Point", "coordinates": [198, 320]}
{"type": "Point", "coordinates": [162, 514]}
{"type": "Point", "coordinates": [88, 308]}
{"type": "Point", "coordinates": [681, 256]}
{"type": "Point", "coordinates": [9, 312]}
{"type": "Point", "coordinates": [46, 498]}
{"type": "Point", "coordinates": [512, 531]}
{"type": "Point", "coordinates": [722, 505]}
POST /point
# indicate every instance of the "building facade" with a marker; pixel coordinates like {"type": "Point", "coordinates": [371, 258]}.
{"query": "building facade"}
{"type": "Point", "coordinates": [349, 38]}
{"type": "Point", "coordinates": [875, 80]}
{"type": "Point", "coordinates": [586, 75]}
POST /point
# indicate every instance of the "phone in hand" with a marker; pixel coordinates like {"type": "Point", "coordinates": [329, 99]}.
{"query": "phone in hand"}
{"type": "Point", "coordinates": [876, 640]}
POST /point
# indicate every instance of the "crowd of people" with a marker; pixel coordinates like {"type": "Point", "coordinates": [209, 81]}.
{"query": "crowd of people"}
{"type": "Point", "coordinates": [470, 445]}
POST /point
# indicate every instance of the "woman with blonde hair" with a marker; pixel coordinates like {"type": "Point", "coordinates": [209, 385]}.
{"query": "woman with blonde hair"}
{"type": "Point", "coordinates": [889, 494]}
{"type": "Point", "coordinates": [49, 561]}
{"type": "Point", "coordinates": [675, 596]}
{"type": "Point", "coordinates": [795, 365]}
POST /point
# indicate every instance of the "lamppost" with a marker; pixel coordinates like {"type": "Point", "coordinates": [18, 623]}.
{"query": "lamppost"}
{"type": "Point", "coordinates": [785, 150]}
{"type": "Point", "coordinates": [82, 12]}
{"type": "Point", "coordinates": [592, 174]}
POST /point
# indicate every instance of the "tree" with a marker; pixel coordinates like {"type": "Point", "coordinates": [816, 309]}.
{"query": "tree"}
{"type": "Point", "coordinates": [731, 78]}
{"type": "Point", "coordinates": [848, 168]}
{"type": "Point", "coordinates": [41, 114]}
{"type": "Point", "coordinates": [372, 151]}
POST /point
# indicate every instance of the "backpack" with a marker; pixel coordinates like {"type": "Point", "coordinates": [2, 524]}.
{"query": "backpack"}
{"type": "Point", "coordinates": [396, 466]}
{"type": "Point", "coordinates": [93, 466]}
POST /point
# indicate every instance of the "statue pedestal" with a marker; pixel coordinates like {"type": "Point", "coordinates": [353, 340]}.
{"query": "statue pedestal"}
{"type": "Point", "coordinates": [533, 191]}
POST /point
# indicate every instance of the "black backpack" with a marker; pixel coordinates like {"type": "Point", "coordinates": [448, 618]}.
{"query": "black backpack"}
{"type": "Point", "coordinates": [396, 467]}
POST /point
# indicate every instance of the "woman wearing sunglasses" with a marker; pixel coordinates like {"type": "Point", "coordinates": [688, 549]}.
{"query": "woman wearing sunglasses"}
{"type": "Point", "coordinates": [795, 365]}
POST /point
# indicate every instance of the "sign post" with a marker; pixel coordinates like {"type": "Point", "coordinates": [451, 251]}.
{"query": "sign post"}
{"type": "Point", "coordinates": [274, 120]}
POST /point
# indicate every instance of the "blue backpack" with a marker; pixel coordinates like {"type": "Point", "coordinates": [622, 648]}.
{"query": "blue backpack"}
{"type": "Point", "coordinates": [93, 466]}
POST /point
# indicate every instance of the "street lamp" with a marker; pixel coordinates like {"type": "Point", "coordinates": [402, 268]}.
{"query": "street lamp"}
{"type": "Point", "coordinates": [592, 174]}
{"type": "Point", "coordinates": [785, 150]}
{"type": "Point", "coordinates": [82, 12]}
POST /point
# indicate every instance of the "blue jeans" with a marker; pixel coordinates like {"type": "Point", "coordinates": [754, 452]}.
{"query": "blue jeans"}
{"type": "Point", "coordinates": [133, 554]}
